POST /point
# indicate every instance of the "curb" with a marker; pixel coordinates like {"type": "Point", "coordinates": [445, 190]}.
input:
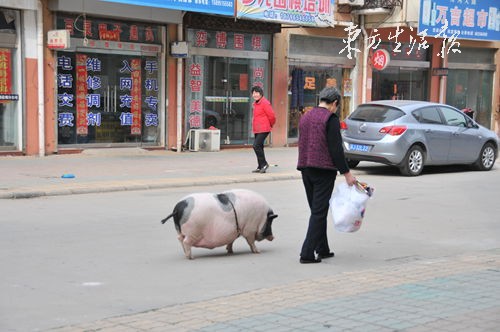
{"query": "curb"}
{"type": "Point", "coordinates": [135, 185]}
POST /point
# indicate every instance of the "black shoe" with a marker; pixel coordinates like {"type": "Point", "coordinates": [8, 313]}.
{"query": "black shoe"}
{"type": "Point", "coordinates": [310, 261]}
{"type": "Point", "coordinates": [328, 255]}
{"type": "Point", "coordinates": [257, 170]}
{"type": "Point", "coordinates": [264, 168]}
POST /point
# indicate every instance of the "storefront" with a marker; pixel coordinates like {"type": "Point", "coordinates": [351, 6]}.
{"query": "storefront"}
{"type": "Point", "coordinates": [314, 63]}
{"type": "Point", "coordinates": [11, 109]}
{"type": "Point", "coordinates": [468, 33]}
{"type": "Point", "coordinates": [109, 83]}
{"type": "Point", "coordinates": [470, 82]}
{"type": "Point", "coordinates": [223, 65]}
{"type": "Point", "coordinates": [407, 75]}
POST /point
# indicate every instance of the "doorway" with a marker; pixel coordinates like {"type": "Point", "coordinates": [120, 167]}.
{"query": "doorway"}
{"type": "Point", "coordinates": [471, 89]}
{"type": "Point", "coordinates": [227, 98]}
{"type": "Point", "coordinates": [400, 83]}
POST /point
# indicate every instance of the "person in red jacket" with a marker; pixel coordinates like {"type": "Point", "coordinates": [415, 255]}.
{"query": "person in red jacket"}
{"type": "Point", "coordinates": [263, 122]}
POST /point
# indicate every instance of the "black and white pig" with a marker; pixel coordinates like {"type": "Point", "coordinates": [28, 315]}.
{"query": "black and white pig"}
{"type": "Point", "coordinates": [208, 220]}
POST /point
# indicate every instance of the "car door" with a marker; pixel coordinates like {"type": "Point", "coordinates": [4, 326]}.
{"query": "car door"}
{"type": "Point", "coordinates": [436, 135]}
{"type": "Point", "coordinates": [465, 143]}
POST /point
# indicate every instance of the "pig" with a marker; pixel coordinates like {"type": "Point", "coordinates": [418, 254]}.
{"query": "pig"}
{"type": "Point", "coordinates": [208, 220]}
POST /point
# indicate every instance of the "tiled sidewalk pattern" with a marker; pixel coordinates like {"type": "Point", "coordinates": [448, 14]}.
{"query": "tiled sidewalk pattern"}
{"type": "Point", "coordinates": [448, 294]}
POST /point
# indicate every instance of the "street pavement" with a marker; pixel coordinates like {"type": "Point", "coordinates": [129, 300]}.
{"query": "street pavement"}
{"type": "Point", "coordinates": [449, 293]}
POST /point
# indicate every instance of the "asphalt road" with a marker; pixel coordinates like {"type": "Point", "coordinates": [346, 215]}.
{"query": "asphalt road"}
{"type": "Point", "coordinates": [74, 259]}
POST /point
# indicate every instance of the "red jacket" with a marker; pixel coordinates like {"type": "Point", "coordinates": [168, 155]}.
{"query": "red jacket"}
{"type": "Point", "coordinates": [263, 116]}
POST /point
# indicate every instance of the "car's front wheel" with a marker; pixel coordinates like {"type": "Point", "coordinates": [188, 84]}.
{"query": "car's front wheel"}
{"type": "Point", "coordinates": [486, 158]}
{"type": "Point", "coordinates": [413, 162]}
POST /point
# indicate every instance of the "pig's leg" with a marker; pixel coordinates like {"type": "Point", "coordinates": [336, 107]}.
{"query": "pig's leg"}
{"type": "Point", "coordinates": [251, 243]}
{"type": "Point", "coordinates": [186, 247]}
{"type": "Point", "coordinates": [229, 248]}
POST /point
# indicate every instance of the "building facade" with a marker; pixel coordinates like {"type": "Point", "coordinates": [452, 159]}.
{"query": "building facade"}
{"type": "Point", "coordinates": [115, 81]}
{"type": "Point", "coordinates": [19, 95]}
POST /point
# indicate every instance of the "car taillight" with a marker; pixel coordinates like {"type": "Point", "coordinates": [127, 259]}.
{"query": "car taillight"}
{"type": "Point", "coordinates": [393, 130]}
{"type": "Point", "coordinates": [343, 125]}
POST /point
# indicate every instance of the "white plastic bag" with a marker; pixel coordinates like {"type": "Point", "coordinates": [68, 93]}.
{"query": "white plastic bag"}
{"type": "Point", "coordinates": [348, 204]}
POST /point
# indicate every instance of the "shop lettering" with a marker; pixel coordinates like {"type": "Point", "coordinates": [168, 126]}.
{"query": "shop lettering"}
{"type": "Point", "coordinates": [449, 43]}
{"type": "Point", "coordinates": [220, 3]}
{"type": "Point", "coordinates": [110, 35]}
{"type": "Point", "coordinates": [221, 39]}
{"type": "Point", "coordinates": [8, 97]}
{"type": "Point", "coordinates": [309, 6]}
{"type": "Point", "coordinates": [296, 17]}
{"type": "Point", "coordinates": [151, 120]}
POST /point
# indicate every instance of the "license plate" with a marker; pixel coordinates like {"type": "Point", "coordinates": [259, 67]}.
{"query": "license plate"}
{"type": "Point", "coordinates": [359, 147]}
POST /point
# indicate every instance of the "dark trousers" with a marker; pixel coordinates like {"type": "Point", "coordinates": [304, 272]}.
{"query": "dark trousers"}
{"type": "Point", "coordinates": [258, 147]}
{"type": "Point", "coordinates": [318, 184]}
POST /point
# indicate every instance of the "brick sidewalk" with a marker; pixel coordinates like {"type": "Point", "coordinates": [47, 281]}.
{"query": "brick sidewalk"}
{"type": "Point", "coordinates": [459, 293]}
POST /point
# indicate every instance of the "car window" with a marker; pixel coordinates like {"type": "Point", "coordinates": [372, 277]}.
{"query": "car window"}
{"type": "Point", "coordinates": [428, 115]}
{"type": "Point", "coordinates": [453, 117]}
{"type": "Point", "coordinates": [375, 113]}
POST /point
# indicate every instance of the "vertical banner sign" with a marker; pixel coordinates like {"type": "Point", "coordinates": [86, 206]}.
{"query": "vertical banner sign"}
{"type": "Point", "coordinates": [135, 109]}
{"type": "Point", "coordinates": [195, 91]}
{"type": "Point", "coordinates": [81, 95]}
{"type": "Point", "coordinates": [5, 74]}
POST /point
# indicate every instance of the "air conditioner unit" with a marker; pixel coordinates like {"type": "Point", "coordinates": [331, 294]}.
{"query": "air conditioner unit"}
{"type": "Point", "coordinates": [204, 140]}
{"type": "Point", "coordinates": [352, 2]}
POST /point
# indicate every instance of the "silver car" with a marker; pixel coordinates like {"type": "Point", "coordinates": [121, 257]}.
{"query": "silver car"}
{"type": "Point", "coordinates": [410, 134]}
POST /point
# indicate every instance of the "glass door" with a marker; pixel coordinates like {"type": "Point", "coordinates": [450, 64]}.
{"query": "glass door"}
{"type": "Point", "coordinates": [107, 98]}
{"type": "Point", "coordinates": [227, 99]}
{"type": "Point", "coordinates": [471, 89]}
{"type": "Point", "coordinates": [400, 83]}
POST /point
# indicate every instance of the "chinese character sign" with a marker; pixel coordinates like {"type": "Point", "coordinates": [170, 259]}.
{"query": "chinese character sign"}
{"type": "Point", "coordinates": [81, 94]}
{"type": "Point", "coordinates": [466, 19]}
{"type": "Point", "coordinates": [5, 73]}
{"type": "Point", "coordinates": [135, 108]}
{"type": "Point", "coordinates": [194, 91]}
{"type": "Point", "coordinates": [317, 13]}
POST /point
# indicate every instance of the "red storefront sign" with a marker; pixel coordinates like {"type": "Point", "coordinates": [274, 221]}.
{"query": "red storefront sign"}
{"type": "Point", "coordinates": [380, 59]}
{"type": "Point", "coordinates": [135, 108]}
{"type": "Point", "coordinates": [5, 73]}
{"type": "Point", "coordinates": [81, 95]}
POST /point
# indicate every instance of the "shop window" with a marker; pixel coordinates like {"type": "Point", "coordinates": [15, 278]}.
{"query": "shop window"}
{"type": "Point", "coordinates": [304, 86]}
{"type": "Point", "coordinates": [471, 89]}
{"type": "Point", "coordinates": [10, 106]}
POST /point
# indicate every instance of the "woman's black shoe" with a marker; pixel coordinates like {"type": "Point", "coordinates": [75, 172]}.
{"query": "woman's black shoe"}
{"type": "Point", "coordinates": [257, 170]}
{"type": "Point", "coordinates": [328, 255]}
{"type": "Point", "coordinates": [264, 168]}
{"type": "Point", "coordinates": [310, 261]}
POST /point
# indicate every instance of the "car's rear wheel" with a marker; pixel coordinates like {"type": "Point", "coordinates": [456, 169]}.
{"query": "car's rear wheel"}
{"type": "Point", "coordinates": [352, 163]}
{"type": "Point", "coordinates": [486, 158]}
{"type": "Point", "coordinates": [413, 162]}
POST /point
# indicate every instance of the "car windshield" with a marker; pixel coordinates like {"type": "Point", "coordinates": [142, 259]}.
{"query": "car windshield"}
{"type": "Point", "coordinates": [375, 113]}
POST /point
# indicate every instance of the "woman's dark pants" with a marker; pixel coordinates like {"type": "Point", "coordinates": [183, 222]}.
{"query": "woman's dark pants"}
{"type": "Point", "coordinates": [318, 184]}
{"type": "Point", "coordinates": [258, 147]}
